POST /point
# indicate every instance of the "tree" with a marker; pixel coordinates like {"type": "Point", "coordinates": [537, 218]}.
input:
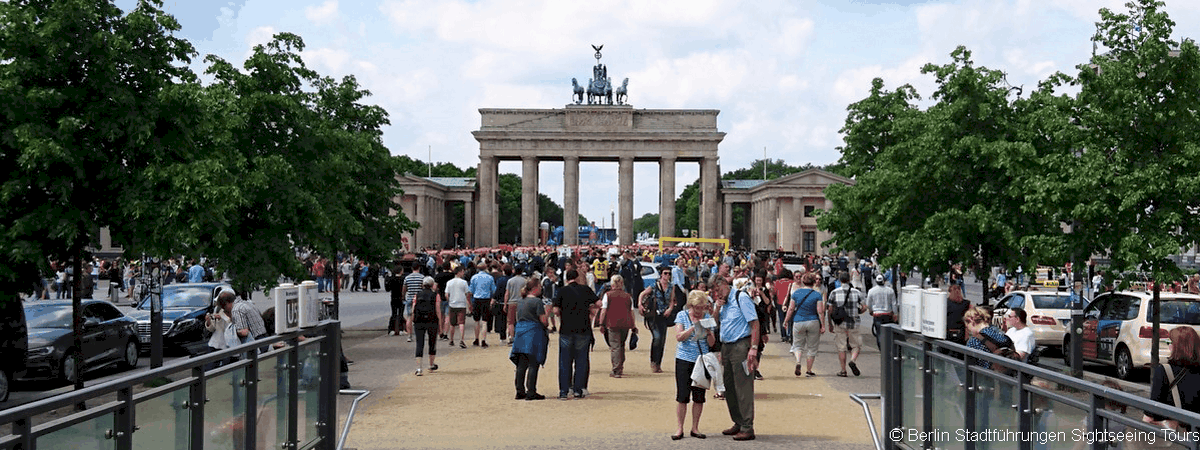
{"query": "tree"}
{"type": "Point", "coordinates": [1130, 185]}
{"type": "Point", "coordinates": [82, 104]}
{"type": "Point", "coordinates": [302, 167]}
{"type": "Point", "coordinates": [648, 223]}
{"type": "Point", "coordinates": [937, 186]}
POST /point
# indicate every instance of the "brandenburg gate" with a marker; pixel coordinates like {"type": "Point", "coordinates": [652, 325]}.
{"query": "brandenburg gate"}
{"type": "Point", "coordinates": [590, 133]}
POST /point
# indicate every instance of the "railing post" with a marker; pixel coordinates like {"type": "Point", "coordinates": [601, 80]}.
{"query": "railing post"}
{"type": "Point", "coordinates": [331, 369]}
{"type": "Point", "coordinates": [251, 384]}
{"type": "Point", "coordinates": [970, 391]}
{"type": "Point", "coordinates": [24, 428]}
{"type": "Point", "coordinates": [926, 369]}
{"type": "Point", "coordinates": [889, 384]}
{"type": "Point", "coordinates": [1025, 412]}
{"type": "Point", "coordinates": [195, 405]}
{"type": "Point", "coordinates": [293, 406]}
{"type": "Point", "coordinates": [124, 420]}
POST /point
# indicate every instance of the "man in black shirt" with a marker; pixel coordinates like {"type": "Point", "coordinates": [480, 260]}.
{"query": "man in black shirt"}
{"type": "Point", "coordinates": [444, 276]}
{"type": "Point", "coordinates": [574, 305]}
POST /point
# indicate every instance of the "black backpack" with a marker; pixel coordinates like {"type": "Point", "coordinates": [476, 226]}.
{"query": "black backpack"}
{"type": "Point", "coordinates": [424, 307]}
{"type": "Point", "coordinates": [841, 313]}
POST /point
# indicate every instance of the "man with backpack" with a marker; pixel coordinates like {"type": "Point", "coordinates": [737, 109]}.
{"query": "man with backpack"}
{"type": "Point", "coordinates": [844, 305]}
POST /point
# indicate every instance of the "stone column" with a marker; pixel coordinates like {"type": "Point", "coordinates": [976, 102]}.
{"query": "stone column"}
{"type": "Point", "coordinates": [469, 226]}
{"type": "Point", "coordinates": [487, 216]}
{"type": "Point", "coordinates": [710, 204]}
{"type": "Point", "coordinates": [728, 218]}
{"type": "Point", "coordinates": [418, 239]}
{"type": "Point", "coordinates": [787, 223]}
{"type": "Point", "coordinates": [625, 200]}
{"type": "Point", "coordinates": [571, 200]}
{"type": "Point", "coordinates": [773, 223]}
{"type": "Point", "coordinates": [666, 196]}
{"type": "Point", "coordinates": [529, 200]}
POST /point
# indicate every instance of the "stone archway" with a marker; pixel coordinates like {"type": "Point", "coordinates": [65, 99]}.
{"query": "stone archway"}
{"type": "Point", "coordinates": [579, 133]}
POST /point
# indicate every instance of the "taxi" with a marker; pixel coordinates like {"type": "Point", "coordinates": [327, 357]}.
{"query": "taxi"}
{"type": "Point", "coordinates": [1047, 313]}
{"type": "Point", "coordinates": [1117, 329]}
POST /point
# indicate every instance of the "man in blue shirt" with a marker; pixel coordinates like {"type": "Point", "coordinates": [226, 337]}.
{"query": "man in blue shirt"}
{"type": "Point", "coordinates": [196, 273]}
{"type": "Point", "coordinates": [482, 287]}
{"type": "Point", "coordinates": [739, 351]}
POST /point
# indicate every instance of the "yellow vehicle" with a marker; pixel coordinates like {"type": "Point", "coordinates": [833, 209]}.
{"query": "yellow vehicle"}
{"type": "Point", "coordinates": [1044, 276]}
{"type": "Point", "coordinates": [664, 240]}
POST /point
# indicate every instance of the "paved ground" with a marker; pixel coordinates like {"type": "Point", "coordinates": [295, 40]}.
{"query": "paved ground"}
{"type": "Point", "coordinates": [468, 403]}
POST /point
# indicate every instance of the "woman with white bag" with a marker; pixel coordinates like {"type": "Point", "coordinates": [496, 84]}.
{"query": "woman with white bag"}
{"type": "Point", "coordinates": [695, 340]}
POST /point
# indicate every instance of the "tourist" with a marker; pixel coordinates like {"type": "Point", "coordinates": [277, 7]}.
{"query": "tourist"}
{"type": "Point", "coordinates": [573, 305]}
{"type": "Point", "coordinates": [655, 304]}
{"type": "Point", "coordinates": [460, 306]}
{"type": "Point", "coordinates": [512, 294]}
{"type": "Point", "coordinates": [881, 302]}
{"type": "Point", "coordinates": [412, 285]}
{"type": "Point", "coordinates": [1022, 336]}
{"type": "Point", "coordinates": [806, 316]}
{"type": "Point", "coordinates": [693, 340]}
{"type": "Point", "coordinates": [956, 306]}
{"type": "Point", "coordinates": [530, 340]}
{"type": "Point", "coordinates": [395, 285]}
{"type": "Point", "coordinates": [482, 287]}
{"type": "Point", "coordinates": [739, 345]}
{"type": "Point", "coordinates": [616, 315]}
{"type": "Point", "coordinates": [426, 315]}
{"type": "Point", "coordinates": [1180, 387]}
{"type": "Point", "coordinates": [843, 306]}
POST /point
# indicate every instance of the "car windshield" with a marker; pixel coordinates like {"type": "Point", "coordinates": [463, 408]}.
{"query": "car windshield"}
{"type": "Point", "coordinates": [183, 297]}
{"type": "Point", "coordinates": [1183, 312]}
{"type": "Point", "coordinates": [1051, 302]}
{"type": "Point", "coordinates": [48, 316]}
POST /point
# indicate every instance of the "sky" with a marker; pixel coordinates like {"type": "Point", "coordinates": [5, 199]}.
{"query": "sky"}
{"type": "Point", "coordinates": [781, 72]}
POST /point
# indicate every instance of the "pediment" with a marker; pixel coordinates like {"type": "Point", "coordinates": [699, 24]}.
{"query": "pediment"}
{"type": "Point", "coordinates": [808, 178]}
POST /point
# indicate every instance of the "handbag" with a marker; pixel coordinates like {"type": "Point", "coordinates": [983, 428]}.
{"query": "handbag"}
{"type": "Point", "coordinates": [633, 340]}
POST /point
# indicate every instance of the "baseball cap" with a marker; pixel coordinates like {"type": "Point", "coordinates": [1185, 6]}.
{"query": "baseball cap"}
{"type": "Point", "coordinates": [878, 278]}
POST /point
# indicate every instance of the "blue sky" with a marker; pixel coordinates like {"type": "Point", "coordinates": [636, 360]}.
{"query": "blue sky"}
{"type": "Point", "coordinates": [781, 72]}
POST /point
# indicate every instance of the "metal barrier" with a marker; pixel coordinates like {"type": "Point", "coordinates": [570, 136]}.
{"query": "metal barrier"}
{"type": "Point", "coordinates": [937, 396]}
{"type": "Point", "coordinates": [290, 394]}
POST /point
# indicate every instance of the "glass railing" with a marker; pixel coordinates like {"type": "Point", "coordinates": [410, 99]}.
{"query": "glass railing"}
{"type": "Point", "coordinates": [242, 398]}
{"type": "Point", "coordinates": [938, 395]}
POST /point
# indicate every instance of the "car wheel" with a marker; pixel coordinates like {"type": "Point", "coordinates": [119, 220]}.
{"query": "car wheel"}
{"type": "Point", "coordinates": [1124, 363]}
{"type": "Point", "coordinates": [67, 370]}
{"type": "Point", "coordinates": [131, 355]}
{"type": "Point", "coordinates": [5, 385]}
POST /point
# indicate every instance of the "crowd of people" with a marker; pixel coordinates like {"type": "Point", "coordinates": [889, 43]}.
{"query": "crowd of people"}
{"type": "Point", "coordinates": [720, 307]}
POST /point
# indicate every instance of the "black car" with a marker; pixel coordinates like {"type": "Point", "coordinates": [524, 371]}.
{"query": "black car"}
{"type": "Point", "coordinates": [184, 307]}
{"type": "Point", "coordinates": [109, 337]}
{"type": "Point", "coordinates": [14, 339]}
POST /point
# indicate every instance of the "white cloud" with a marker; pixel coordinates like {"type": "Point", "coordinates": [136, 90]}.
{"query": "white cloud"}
{"type": "Point", "coordinates": [781, 72]}
{"type": "Point", "coordinates": [322, 14]}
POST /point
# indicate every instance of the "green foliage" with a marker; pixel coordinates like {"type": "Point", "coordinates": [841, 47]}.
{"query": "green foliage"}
{"type": "Point", "coordinates": [1130, 183]}
{"type": "Point", "coordinates": [295, 161]}
{"type": "Point", "coordinates": [938, 185]}
{"type": "Point", "coordinates": [687, 206]}
{"type": "Point", "coordinates": [86, 100]}
{"type": "Point", "coordinates": [648, 223]}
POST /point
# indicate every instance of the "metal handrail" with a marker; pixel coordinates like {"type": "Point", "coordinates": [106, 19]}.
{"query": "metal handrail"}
{"type": "Point", "coordinates": [861, 399]}
{"type": "Point", "coordinates": [190, 377]}
{"type": "Point", "coordinates": [897, 342]}
{"type": "Point", "coordinates": [350, 417]}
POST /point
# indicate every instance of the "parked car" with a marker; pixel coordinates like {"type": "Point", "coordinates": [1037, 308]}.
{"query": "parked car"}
{"type": "Point", "coordinates": [184, 307]}
{"type": "Point", "coordinates": [109, 337]}
{"type": "Point", "coordinates": [14, 340]}
{"type": "Point", "coordinates": [1048, 314]}
{"type": "Point", "coordinates": [649, 274]}
{"type": "Point", "coordinates": [1117, 328]}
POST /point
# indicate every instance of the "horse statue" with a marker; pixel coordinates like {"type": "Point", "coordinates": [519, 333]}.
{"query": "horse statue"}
{"type": "Point", "coordinates": [577, 97]}
{"type": "Point", "coordinates": [622, 92]}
